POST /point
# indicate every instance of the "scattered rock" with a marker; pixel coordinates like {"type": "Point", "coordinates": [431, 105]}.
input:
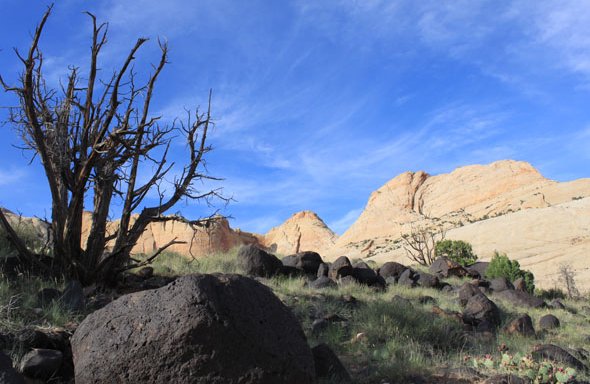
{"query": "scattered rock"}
{"type": "Point", "coordinates": [465, 292]}
{"type": "Point", "coordinates": [200, 328]}
{"type": "Point", "coordinates": [548, 322]}
{"type": "Point", "coordinates": [522, 299]}
{"type": "Point", "coordinates": [558, 354]}
{"type": "Point", "coordinates": [257, 262]}
{"type": "Point", "coordinates": [41, 363]}
{"type": "Point", "coordinates": [308, 262]}
{"type": "Point", "coordinates": [427, 280]}
{"type": "Point", "coordinates": [146, 272]}
{"type": "Point", "coordinates": [341, 267]}
{"type": "Point", "coordinates": [445, 267]}
{"type": "Point", "coordinates": [391, 269]}
{"type": "Point", "coordinates": [407, 278]}
{"type": "Point", "coordinates": [328, 366]}
{"type": "Point", "coordinates": [500, 284]}
{"type": "Point", "coordinates": [519, 284]}
{"type": "Point", "coordinates": [46, 296]}
{"type": "Point", "coordinates": [322, 282]}
{"type": "Point", "coordinates": [323, 270]}
{"type": "Point", "coordinates": [447, 314]}
{"type": "Point", "coordinates": [522, 325]}
{"type": "Point", "coordinates": [478, 269]}
{"type": "Point", "coordinates": [480, 312]}
{"type": "Point", "coordinates": [9, 375]}
{"type": "Point", "coordinates": [73, 297]}
{"type": "Point", "coordinates": [289, 271]}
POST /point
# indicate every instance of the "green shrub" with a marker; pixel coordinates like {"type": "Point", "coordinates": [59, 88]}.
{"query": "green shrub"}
{"type": "Point", "coordinates": [456, 250]}
{"type": "Point", "coordinates": [502, 266]}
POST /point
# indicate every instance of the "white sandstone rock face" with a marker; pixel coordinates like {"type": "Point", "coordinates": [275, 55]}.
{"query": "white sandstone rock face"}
{"type": "Point", "coordinates": [506, 206]}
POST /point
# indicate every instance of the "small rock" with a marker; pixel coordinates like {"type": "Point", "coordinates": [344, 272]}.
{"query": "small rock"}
{"type": "Point", "coordinates": [500, 284]}
{"type": "Point", "coordinates": [522, 325]}
{"type": "Point", "coordinates": [322, 282]}
{"type": "Point", "coordinates": [391, 269]}
{"type": "Point", "coordinates": [328, 366]}
{"type": "Point", "coordinates": [41, 363]}
{"type": "Point", "coordinates": [341, 267]}
{"type": "Point", "coordinates": [146, 272]}
{"type": "Point", "coordinates": [73, 297]}
{"type": "Point", "coordinates": [323, 270]}
{"type": "Point", "coordinates": [519, 284]}
{"type": "Point", "coordinates": [407, 278]}
{"type": "Point", "coordinates": [558, 354]}
{"type": "Point", "coordinates": [548, 322]}
{"type": "Point", "coordinates": [9, 375]}
{"type": "Point", "coordinates": [481, 313]}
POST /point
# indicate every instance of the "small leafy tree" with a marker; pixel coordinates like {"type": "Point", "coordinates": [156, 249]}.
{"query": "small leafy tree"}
{"type": "Point", "coordinates": [502, 266]}
{"type": "Point", "coordinates": [457, 250]}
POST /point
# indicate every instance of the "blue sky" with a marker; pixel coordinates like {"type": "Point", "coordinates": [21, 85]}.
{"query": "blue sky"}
{"type": "Point", "coordinates": [318, 103]}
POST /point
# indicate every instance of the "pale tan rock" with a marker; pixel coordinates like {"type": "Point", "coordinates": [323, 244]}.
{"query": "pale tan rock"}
{"type": "Point", "coordinates": [304, 231]}
{"type": "Point", "coordinates": [506, 206]}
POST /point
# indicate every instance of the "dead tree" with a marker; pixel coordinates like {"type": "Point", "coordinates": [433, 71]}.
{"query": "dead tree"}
{"type": "Point", "coordinates": [420, 244]}
{"type": "Point", "coordinates": [92, 136]}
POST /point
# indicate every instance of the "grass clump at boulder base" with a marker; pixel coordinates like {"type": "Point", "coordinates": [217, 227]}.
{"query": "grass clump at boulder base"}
{"type": "Point", "coordinates": [395, 335]}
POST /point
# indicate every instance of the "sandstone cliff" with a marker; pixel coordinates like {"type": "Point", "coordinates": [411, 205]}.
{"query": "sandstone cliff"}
{"type": "Point", "coordinates": [304, 231]}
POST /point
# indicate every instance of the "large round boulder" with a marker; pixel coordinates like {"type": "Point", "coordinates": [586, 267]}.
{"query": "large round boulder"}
{"type": "Point", "coordinates": [257, 262]}
{"type": "Point", "coordinates": [391, 269]}
{"type": "Point", "coordinates": [197, 329]}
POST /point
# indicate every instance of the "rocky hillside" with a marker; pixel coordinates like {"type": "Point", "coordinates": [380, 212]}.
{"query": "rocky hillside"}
{"type": "Point", "coordinates": [506, 206]}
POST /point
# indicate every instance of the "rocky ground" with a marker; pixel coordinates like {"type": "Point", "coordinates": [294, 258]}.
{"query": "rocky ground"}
{"type": "Point", "coordinates": [295, 320]}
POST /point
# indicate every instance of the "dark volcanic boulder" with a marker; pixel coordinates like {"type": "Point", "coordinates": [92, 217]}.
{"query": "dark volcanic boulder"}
{"type": "Point", "coordinates": [197, 329]}
{"type": "Point", "coordinates": [322, 282]}
{"type": "Point", "coordinates": [445, 267]}
{"type": "Point", "coordinates": [323, 270]}
{"type": "Point", "coordinates": [558, 354]}
{"type": "Point", "coordinates": [407, 278]}
{"type": "Point", "coordinates": [500, 284]}
{"type": "Point", "coordinates": [465, 292]}
{"type": "Point", "coordinates": [478, 269]}
{"type": "Point", "coordinates": [257, 262]}
{"type": "Point", "coordinates": [328, 366]}
{"type": "Point", "coordinates": [367, 276]}
{"type": "Point", "coordinates": [41, 363]}
{"type": "Point", "coordinates": [339, 268]}
{"type": "Point", "coordinates": [308, 262]}
{"type": "Point", "coordinates": [427, 280]}
{"type": "Point", "coordinates": [519, 284]}
{"type": "Point", "coordinates": [522, 299]}
{"type": "Point", "coordinates": [481, 310]}
{"type": "Point", "coordinates": [522, 325]}
{"type": "Point", "coordinates": [8, 374]}
{"type": "Point", "coordinates": [548, 322]}
{"type": "Point", "coordinates": [391, 269]}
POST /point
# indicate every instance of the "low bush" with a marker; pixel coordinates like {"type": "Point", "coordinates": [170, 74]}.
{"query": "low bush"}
{"type": "Point", "coordinates": [502, 266]}
{"type": "Point", "coordinates": [457, 250]}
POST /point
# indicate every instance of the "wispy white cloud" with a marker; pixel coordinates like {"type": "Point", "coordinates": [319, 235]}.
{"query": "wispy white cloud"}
{"type": "Point", "coordinates": [12, 176]}
{"type": "Point", "coordinates": [341, 224]}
